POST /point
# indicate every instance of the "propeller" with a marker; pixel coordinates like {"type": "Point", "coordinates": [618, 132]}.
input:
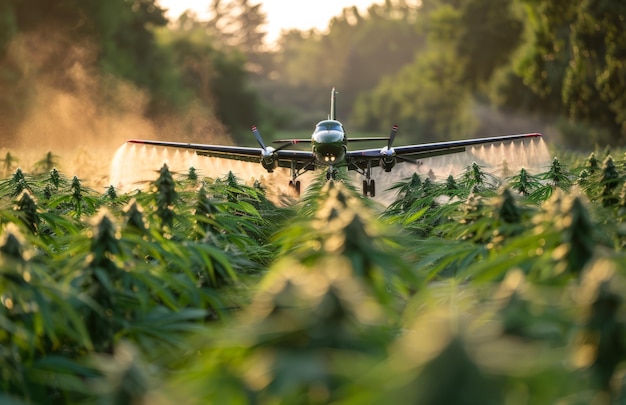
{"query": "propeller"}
{"type": "Point", "coordinates": [392, 136]}
{"type": "Point", "coordinates": [257, 135]}
{"type": "Point", "coordinates": [388, 151]}
{"type": "Point", "coordinates": [268, 150]}
{"type": "Point", "coordinates": [388, 155]}
{"type": "Point", "coordinates": [267, 154]}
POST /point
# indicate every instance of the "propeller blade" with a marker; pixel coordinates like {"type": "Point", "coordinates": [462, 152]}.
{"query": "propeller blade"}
{"type": "Point", "coordinates": [409, 160]}
{"type": "Point", "coordinates": [392, 136]}
{"type": "Point", "coordinates": [283, 146]}
{"type": "Point", "coordinates": [257, 135]}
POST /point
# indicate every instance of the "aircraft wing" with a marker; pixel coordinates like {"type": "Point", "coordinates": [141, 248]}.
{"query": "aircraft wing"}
{"type": "Point", "coordinates": [361, 158]}
{"type": "Point", "coordinates": [285, 158]}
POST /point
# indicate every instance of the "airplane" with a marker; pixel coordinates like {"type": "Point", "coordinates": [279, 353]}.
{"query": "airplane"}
{"type": "Point", "coordinates": [329, 150]}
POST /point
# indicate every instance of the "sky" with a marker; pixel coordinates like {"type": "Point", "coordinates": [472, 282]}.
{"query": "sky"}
{"type": "Point", "coordinates": [281, 14]}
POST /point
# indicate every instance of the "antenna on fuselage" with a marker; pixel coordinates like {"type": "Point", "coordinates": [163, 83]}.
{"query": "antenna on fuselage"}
{"type": "Point", "coordinates": [333, 105]}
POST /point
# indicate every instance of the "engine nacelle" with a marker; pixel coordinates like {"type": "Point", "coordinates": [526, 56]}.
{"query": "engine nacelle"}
{"type": "Point", "coordinates": [387, 163]}
{"type": "Point", "coordinates": [269, 163]}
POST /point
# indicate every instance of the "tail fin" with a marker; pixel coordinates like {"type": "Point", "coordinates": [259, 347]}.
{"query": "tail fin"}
{"type": "Point", "coordinates": [333, 106]}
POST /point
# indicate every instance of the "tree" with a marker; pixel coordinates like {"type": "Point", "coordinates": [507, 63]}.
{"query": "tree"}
{"type": "Point", "coordinates": [488, 33]}
{"type": "Point", "coordinates": [576, 54]}
{"type": "Point", "coordinates": [215, 74]}
{"type": "Point", "coordinates": [425, 98]}
{"type": "Point", "coordinates": [239, 24]}
{"type": "Point", "coordinates": [595, 84]}
{"type": "Point", "coordinates": [357, 51]}
{"type": "Point", "coordinates": [384, 40]}
{"type": "Point", "coordinates": [51, 39]}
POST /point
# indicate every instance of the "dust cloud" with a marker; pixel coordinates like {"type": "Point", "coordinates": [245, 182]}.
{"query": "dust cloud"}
{"type": "Point", "coordinates": [79, 115]}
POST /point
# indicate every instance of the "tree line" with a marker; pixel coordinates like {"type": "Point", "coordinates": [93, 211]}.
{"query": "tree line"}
{"type": "Point", "coordinates": [442, 69]}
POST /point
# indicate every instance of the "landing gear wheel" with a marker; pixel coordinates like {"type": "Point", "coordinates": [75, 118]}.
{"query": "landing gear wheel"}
{"type": "Point", "coordinates": [369, 188]}
{"type": "Point", "coordinates": [295, 186]}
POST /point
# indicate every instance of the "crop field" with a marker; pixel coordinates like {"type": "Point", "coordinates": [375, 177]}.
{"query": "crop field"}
{"type": "Point", "coordinates": [475, 289]}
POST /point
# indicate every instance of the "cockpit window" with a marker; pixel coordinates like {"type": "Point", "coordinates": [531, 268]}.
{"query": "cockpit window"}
{"type": "Point", "coordinates": [328, 126]}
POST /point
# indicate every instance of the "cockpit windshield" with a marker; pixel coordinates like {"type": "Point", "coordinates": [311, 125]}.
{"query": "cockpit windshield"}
{"type": "Point", "coordinates": [328, 126]}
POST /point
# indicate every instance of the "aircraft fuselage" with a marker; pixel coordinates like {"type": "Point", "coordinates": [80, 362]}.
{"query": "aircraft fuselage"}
{"type": "Point", "coordinates": [329, 143]}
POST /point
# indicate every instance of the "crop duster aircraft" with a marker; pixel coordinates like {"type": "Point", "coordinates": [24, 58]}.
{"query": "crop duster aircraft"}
{"type": "Point", "coordinates": [329, 150]}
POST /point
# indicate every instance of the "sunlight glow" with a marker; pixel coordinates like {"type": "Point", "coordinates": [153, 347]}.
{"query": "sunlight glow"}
{"type": "Point", "coordinates": [281, 15]}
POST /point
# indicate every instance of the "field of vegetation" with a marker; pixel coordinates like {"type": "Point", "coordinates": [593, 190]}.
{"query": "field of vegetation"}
{"type": "Point", "coordinates": [476, 290]}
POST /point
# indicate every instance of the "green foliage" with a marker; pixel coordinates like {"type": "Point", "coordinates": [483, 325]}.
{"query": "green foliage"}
{"type": "Point", "coordinates": [328, 300]}
{"type": "Point", "coordinates": [215, 75]}
{"type": "Point", "coordinates": [55, 178]}
{"type": "Point", "coordinates": [166, 197]}
{"type": "Point", "coordinates": [558, 175]}
{"type": "Point", "coordinates": [481, 22]}
{"type": "Point", "coordinates": [82, 200]}
{"type": "Point", "coordinates": [476, 178]}
{"type": "Point", "coordinates": [28, 210]}
{"type": "Point", "coordinates": [424, 98]}
{"type": "Point", "coordinates": [524, 183]}
{"type": "Point", "coordinates": [80, 285]}
{"type": "Point", "coordinates": [603, 331]}
{"type": "Point", "coordinates": [592, 163]}
{"type": "Point", "coordinates": [570, 58]}
{"type": "Point", "coordinates": [610, 181]}
{"type": "Point", "coordinates": [192, 175]}
{"type": "Point", "coordinates": [454, 361]}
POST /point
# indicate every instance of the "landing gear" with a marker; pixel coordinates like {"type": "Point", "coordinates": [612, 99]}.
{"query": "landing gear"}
{"type": "Point", "coordinates": [369, 188]}
{"type": "Point", "coordinates": [331, 173]}
{"type": "Point", "coordinates": [369, 185]}
{"type": "Point", "coordinates": [295, 173]}
{"type": "Point", "coordinates": [295, 185]}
